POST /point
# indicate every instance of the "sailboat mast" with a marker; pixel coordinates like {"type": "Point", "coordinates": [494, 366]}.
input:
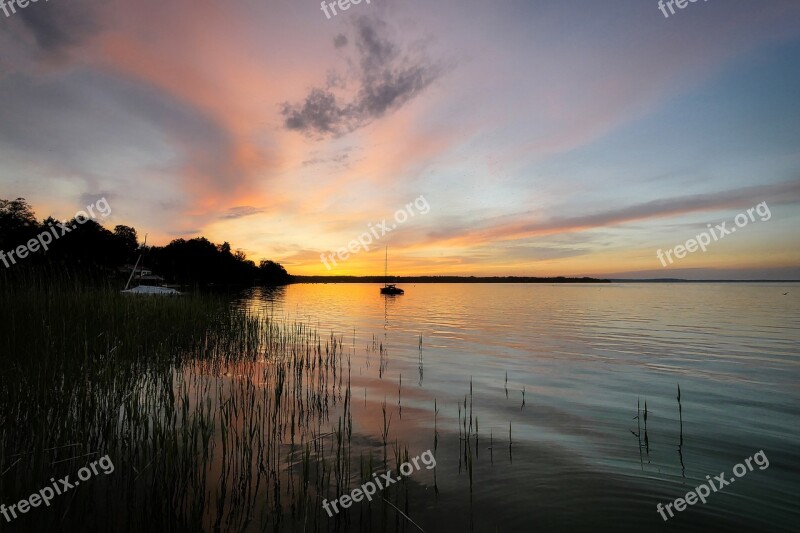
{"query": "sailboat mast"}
{"type": "Point", "coordinates": [133, 272]}
{"type": "Point", "coordinates": [386, 267]}
{"type": "Point", "coordinates": [141, 255]}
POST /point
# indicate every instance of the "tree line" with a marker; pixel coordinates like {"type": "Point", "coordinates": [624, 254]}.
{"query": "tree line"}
{"type": "Point", "coordinates": [91, 250]}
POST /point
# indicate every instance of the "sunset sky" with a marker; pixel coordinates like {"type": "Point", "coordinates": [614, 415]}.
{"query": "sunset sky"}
{"type": "Point", "coordinates": [562, 137]}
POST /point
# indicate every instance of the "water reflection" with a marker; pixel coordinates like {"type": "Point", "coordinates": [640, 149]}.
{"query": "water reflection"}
{"type": "Point", "coordinates": [579, 356]}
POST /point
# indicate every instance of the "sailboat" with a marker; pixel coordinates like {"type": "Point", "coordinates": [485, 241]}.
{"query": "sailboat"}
{"type": "Point", "coordinates": [147, 289]}
{"type": "Point", "coordinates": [389, 288]}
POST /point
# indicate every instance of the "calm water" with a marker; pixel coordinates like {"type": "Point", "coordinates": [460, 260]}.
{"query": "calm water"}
{"type": "Point", "coordinates": [584, 355]}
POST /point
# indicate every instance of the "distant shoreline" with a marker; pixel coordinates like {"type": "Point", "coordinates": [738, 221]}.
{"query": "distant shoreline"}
{"type": "Point", "coordinates": [669, 280]}
{"type": "Point", "coordinates": [443, 279]}
{"type": "Point", "coordinates": [511, 279]}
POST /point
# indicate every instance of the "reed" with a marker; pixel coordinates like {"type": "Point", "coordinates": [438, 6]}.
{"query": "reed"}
{"type": "Point", "coordinates": [387, 422]}
{"type": "Point", "coordinates": [213, 417]}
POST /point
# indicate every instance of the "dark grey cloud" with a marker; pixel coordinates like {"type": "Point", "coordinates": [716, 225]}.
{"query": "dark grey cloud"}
{"type": "Point", "coordinates": [241, 212]}
{"type": "Point", "coordinates": [319, 113]}
{"type": "Point", "coordinates": [58, 25]}
{"type": "Point", "coordinates": [90, 198]}
{"type": "Point", "coordinates": [340, 40]}
{"type": "Point", "coordinates": [387, 79]}
{"type": "Point", "coordinates": [184, 234]}
{"type": "Point", "coordinates": [337, 159]}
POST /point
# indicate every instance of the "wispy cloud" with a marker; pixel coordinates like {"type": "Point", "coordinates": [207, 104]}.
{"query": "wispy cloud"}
{"type": "Point", "coordinates": [241, 212]}
{"type": "Point", "coordinates": [785, 193]}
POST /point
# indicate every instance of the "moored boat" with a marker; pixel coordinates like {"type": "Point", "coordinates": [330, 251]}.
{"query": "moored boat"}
{"type": "Point", "coordinates": [389, 288]}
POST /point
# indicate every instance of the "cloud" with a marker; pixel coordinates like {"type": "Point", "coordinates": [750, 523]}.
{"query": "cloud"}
{"type": "Point", "coordinates": [184, 233]}
{"type": "Point", "coordinates": [340, 40]}
{"type": "Point", "coordinates": [780, 193]}
{"type": "Point", "coordinates": [91, 198]}
{"type": "Point", "coordinates": [58, 26]}
{"type": "Point", "coordinates": [241, 212]}
{"type": "Point", "coordinates": [65, 123]}
{"type": "Point", "coordinates": [336, 159]}
{"type": "Point", "coordinates": [320, 113]}
{"type": "Point", "coordinates": [387, 78]}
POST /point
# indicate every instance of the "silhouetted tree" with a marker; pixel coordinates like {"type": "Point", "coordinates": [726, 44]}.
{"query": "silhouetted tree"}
{"type": "Point", "coordinates": [17, 223]}
{"type": "Point", "coordinates": [127, 239]}
{"type": "Point", "coordinates": [273, 273]}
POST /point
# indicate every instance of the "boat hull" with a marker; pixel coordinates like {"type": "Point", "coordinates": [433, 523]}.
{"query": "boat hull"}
{"type": "Point", "coordinates": [152, 291]}
{"type": "Point", "coordinates": [392, 290]}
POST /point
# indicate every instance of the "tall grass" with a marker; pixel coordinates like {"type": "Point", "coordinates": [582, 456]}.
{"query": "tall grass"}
{"type": "Point", "coordinates": [214, 419]}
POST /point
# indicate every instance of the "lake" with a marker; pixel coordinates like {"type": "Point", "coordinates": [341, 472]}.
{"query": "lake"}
{"type": "Point", "coordinates": [554, 381]}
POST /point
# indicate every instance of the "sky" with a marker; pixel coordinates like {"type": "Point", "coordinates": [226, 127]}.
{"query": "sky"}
{"type": "Point", "coordinates": [536, 138]}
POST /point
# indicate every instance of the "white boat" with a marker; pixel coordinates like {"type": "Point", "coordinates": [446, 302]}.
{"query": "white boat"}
{"type": "Point", "coordinates": [148, 290]}
{"type": "Point", "coordinates": [152, 291]}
